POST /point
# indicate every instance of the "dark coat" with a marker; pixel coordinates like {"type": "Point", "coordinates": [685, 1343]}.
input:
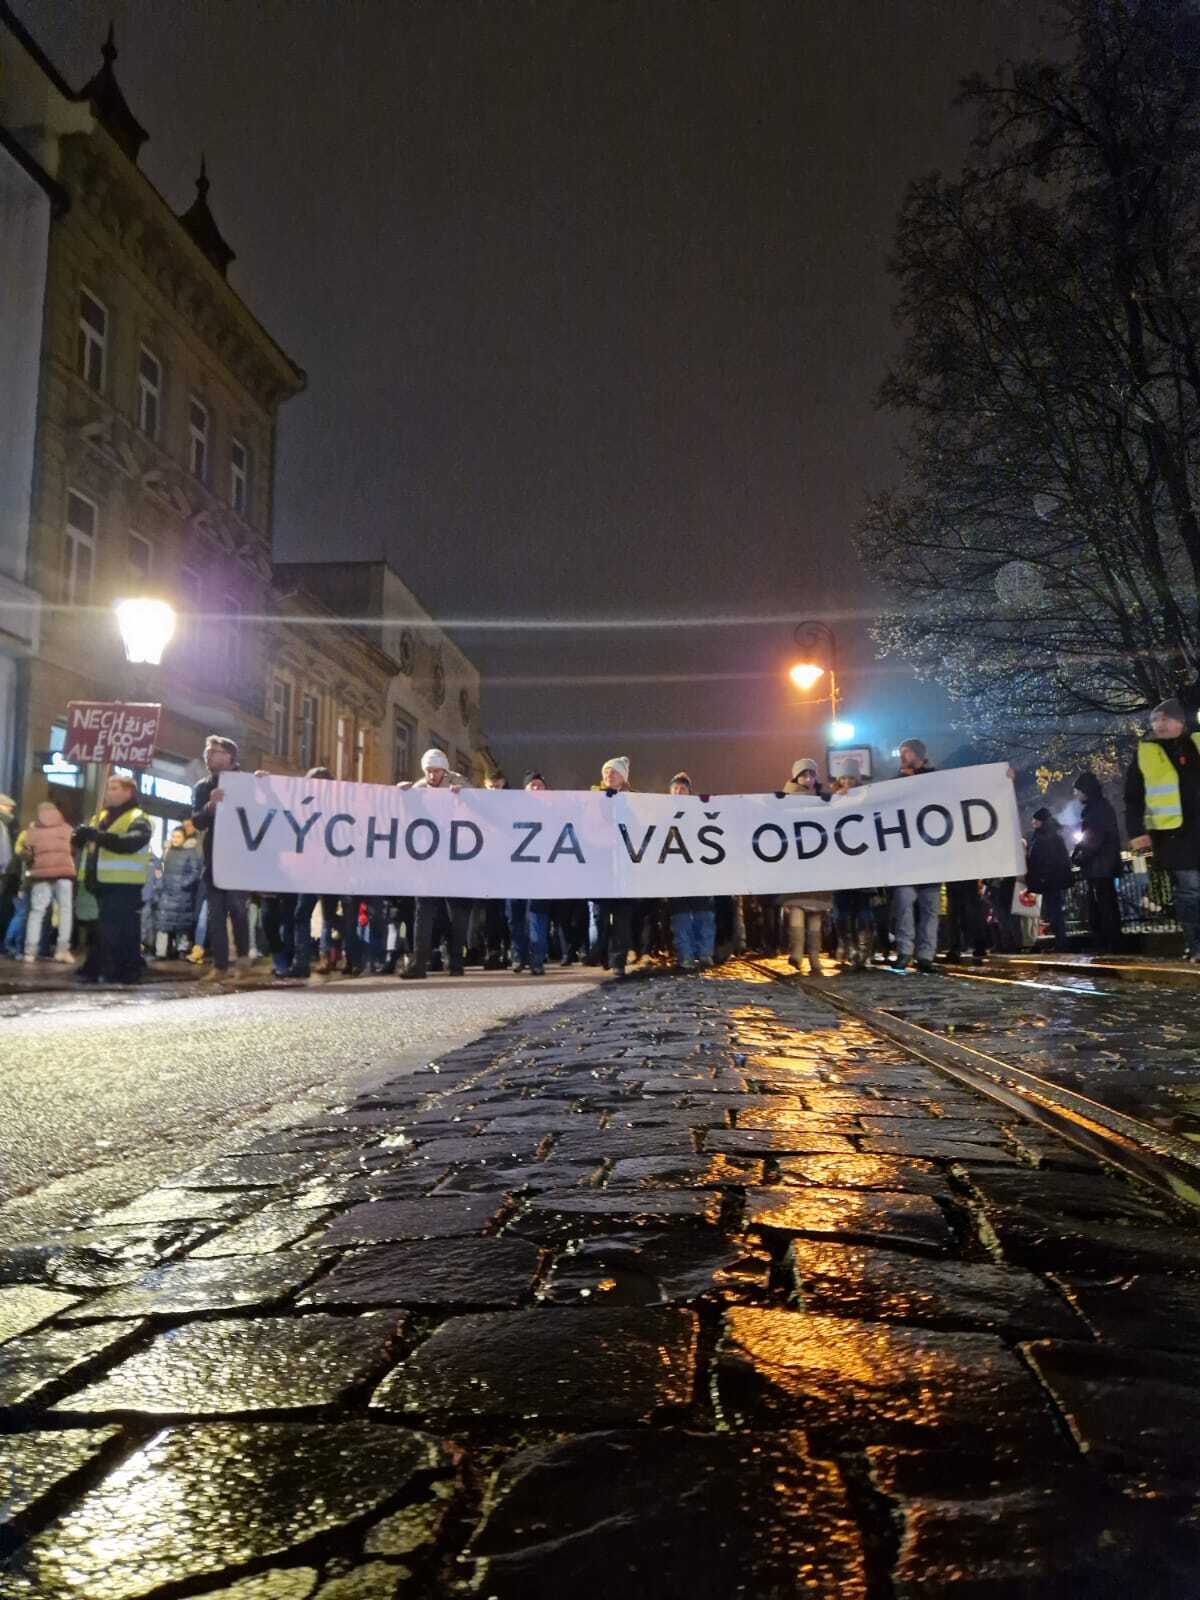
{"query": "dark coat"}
{"type": "Point", "coordinates": [1048, 863]}
{"type": "Point", "coordinates": [203, 818]}
{"type": "Point", "coordinates": [1098, 853]}
{"type": "Point", "coordinates": [183, 868]}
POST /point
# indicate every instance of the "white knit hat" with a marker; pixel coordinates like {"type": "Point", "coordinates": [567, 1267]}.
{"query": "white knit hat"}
{"type": "Point", "coordinates": [435, 758]}
{"type": "Point", "coordinates": [617, 764]}
{"type": "Point", "coordinates": [805, 764]}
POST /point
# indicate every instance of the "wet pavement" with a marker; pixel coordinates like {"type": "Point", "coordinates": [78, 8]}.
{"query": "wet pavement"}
{"type": "Point", "coordinates": [109, 1091]}
{"type": "Point", "coordinates": [685, 1288]}
{"type": "Point", "coordinates": [1133, 1046]}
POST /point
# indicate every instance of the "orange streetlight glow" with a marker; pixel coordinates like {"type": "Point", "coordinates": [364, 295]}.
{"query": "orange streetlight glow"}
{"type": "Point", "coordinates": [805, 673]}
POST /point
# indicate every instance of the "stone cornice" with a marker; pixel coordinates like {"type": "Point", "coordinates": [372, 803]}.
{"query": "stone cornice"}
{"type": "Point", "coordinates": [126, 204]}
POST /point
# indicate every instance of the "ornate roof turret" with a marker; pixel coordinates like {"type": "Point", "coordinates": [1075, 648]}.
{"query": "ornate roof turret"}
{"type": "Point", "coordinates": [199, 222]}
{"type": "Point", "coordinates": [111, 106]}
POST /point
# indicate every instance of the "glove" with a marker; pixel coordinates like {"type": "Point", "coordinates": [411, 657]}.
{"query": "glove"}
{"type": "Point", "coordinates": [780, 795]}
{"type": "Point", "coordinates": [610, 793]}
{"type": "Point", "coordinates": [84, 835]}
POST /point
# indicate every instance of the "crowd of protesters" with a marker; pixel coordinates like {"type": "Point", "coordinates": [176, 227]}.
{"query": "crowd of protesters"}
{"type": "Point", "coordinates": [100, 893]}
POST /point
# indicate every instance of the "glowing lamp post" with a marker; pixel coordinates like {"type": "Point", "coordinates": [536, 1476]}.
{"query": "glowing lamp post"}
{"type": "Point", "coordinates": [147, 627]}
{"type": "Point", "coordinates": [816, 639]}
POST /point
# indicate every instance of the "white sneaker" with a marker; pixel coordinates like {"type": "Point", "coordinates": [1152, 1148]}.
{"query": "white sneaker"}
{"type": "Point", "coordinates": [66, 958]}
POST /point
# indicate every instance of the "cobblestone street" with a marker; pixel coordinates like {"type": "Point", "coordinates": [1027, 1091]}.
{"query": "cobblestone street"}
{"type": "Point", "coordinates": [684, 1288]}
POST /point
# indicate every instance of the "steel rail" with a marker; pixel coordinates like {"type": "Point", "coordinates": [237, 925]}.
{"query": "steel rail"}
{"type": "Point", "coordinates": [1165, 1162]}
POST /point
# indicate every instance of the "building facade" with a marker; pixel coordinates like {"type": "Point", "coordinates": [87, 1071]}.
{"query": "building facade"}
{"type": "Point", "coordinates": [327, 691]}
{"type": "Point", "coordinates": [146, 399]}
{"type": "Point", "coordinates": [434, 697]}
{"type": "Point", "coordinates": [159, 398]}
{"type": "Point", "coordinates": [29, 199]}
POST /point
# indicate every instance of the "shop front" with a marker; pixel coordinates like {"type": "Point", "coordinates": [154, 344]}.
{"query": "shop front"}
{"type": "Point", "coordinates": [166, 795]}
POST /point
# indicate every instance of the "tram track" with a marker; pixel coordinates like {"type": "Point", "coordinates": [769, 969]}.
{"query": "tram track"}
{"type": "Point", "coordinates": [1151, 1155]}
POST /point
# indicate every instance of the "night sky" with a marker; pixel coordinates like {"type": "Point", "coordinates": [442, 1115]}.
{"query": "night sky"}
{"type": "Point", "coordinates": [593, 302]}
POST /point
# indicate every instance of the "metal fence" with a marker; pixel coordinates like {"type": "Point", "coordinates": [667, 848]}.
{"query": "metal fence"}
{"type": "Point", "coordinates": [1147, 903]}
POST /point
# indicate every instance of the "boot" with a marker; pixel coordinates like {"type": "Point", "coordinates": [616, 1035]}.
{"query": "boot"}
{"type": "Point", "coordinates": [864, 950]}
{"type": "Point", "coordinates": [812, 945]}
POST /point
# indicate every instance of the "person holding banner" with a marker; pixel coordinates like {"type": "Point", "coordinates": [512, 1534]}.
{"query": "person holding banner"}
{"type": "Point", "coordinates": [114, 866]}
{"type": "Point", "coordinates": [915, 906]}
{"type": "Point", "coordinates": [694, 919]}
{"type": "Point", "coordinates": [613, 919]}
{"type": "Point", "coordinates": [436, 774]}
{"type": "Point", "coordinates": [529, 920]}
{"type": "Point", "coordinates": [224, 905]}
{"type": "Point", "coordinates": [491, 912]}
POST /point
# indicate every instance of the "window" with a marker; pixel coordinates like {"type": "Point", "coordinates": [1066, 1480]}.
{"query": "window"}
{"type": "Point", "coordinates": [360, 755]}
{"type": "Point", "coordinates": [343, 735]}
{"type": "Point", "coordinates": [141, 555]}
{"type": "Point", "coordinates": [79, 550]}
{"type": "Point", "coordinates": [149, 392]}
{"type": "Point", "coordinates": [198, 438]}
{"type": "Point", "coordinates": [93, 339]}
{"type": "Point", "coordinates": [438, 741]}
{"type": "Point", "coordinates": [310, 723]}
{"type": "Point", "coordinates": [462, 763]}
{"type": "Point", "coordinates": [239, 474]}
{"type": "Point", "coordinates": [281, 718]}
{"type": "Point", "coordinates": [404, 735]}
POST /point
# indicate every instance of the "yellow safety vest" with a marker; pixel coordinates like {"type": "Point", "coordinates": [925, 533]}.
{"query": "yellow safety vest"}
{"type": "Point", "coordinates": [112, 867]}
{"type": "Point", "coordinates": [1164, 808]}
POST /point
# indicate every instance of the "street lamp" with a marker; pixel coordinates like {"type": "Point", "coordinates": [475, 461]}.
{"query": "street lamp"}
{"type": "Point", "coordinates": [816, 639]}
{"type": "Point", "coordinates": [806, 673]}
{"type": "Point", "coordinates": [147, 627]}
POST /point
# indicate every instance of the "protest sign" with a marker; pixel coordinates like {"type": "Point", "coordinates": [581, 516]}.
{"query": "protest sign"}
{"type": "Point", "coordinates": [328, 837]}
{"type": "Point", "coordinates": [110, 731]}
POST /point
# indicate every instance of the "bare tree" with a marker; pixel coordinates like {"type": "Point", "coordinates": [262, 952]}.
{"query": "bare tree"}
{"type": "Point", "coordinates": [1042, 556]}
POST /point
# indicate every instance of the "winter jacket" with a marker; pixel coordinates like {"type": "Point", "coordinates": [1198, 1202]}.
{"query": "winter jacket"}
{"type": "Point", "coordinates": [1048, 863]}
{"type": "Point", "coordinates": [1098, 853]}
{"type": "Point", "coordinates": [453, 780]}
{"type": "Point", "coordinates": [1174, 848]}
{"type": "Point", "coordinates": [49, 846]}
{"type": "Point", "coordinates": [183, 868]}
{"type": "Point", "coordinates": [203, 818]}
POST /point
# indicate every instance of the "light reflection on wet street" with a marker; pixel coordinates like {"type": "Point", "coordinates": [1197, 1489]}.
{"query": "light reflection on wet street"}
{"type": "Point", "coordinates": [689, 1287]}
{"type": "Point", "coordinates": [1134, 1047]}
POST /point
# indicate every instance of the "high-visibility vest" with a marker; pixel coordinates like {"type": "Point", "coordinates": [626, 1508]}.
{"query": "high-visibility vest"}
{"type": "Point", "coordinates": [1164, 807]}
{"type": "Point", "coordinates": [112, 867]}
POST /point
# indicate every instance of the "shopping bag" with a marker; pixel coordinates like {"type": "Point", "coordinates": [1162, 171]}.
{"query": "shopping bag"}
{"type": "Point", "coordinates": [1024, 902]}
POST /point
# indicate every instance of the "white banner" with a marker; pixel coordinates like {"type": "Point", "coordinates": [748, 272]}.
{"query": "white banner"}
{"type": "Point", "coordinates": [324, 837]}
